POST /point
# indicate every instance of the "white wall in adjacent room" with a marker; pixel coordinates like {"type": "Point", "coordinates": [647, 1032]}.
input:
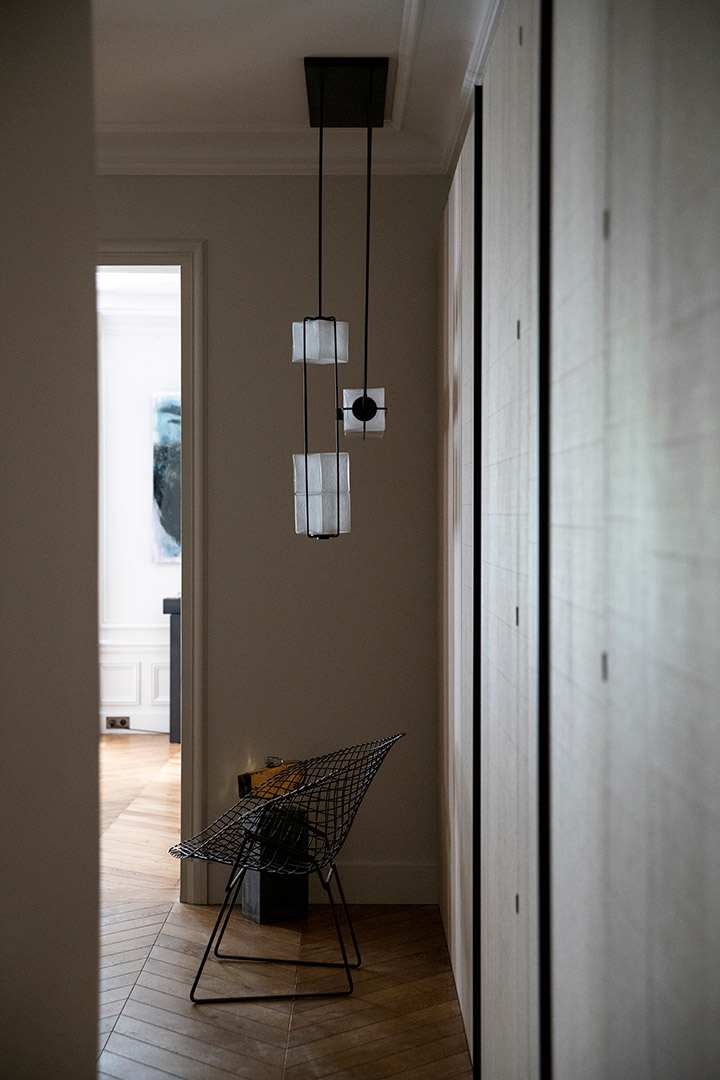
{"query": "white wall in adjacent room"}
{"type": "Point", "coordinates": [139, 356]}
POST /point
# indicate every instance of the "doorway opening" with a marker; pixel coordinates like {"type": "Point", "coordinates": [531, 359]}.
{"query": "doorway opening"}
{"type": "Point", "coordinates": [152, 551]}
{"type": "Point", "coordinates": [152, 563]}
{"type": "Point", "coordinates": [140, 527]}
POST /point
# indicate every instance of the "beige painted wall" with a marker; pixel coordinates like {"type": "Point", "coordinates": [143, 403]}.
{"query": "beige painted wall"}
{"type": "Point", "coordinates": [316, 645]}
{"type": "Point", "coordinates": [456, 450]}
{"type": "Point", "coordinates": [48, 545]}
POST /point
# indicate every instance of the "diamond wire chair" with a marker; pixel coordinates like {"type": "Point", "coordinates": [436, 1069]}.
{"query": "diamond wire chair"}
{"type": "Point", "coordinates": [294, 823]}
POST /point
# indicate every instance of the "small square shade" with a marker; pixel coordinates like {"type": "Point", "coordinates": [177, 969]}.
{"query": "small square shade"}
{"type": "Point", "coordinates": [320, 342]}
{"type": "Point", "coordinates": [373, 428]}
{"type": "Point", "coordinates": [322, 498]}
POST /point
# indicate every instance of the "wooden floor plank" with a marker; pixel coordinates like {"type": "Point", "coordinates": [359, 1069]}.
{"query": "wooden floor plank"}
{"type": "Point", "coordinates": [338, 1033]}
{"type": "Point", "coordinates": [119, 1067]}
{"type": "Point", "coordinates": [456, 1066]}
{"type": "Point", "coordinates": [169, 1061]}
{"type": "Point", "coordinates": [229, 1017]}
{"type": "Point", "coordinates": [369, 1067]}
{"type": "Point", "coordinates": [388, 1040]}
{"type": "Point", "coordinates": [194, 1027]}
{"type": "Point", "coordinates": [118, 981]}
{"type": "Point", "coordinates": [203, 1052]}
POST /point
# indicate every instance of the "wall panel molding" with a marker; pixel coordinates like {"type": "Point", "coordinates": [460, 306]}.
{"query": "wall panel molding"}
{"type": "Point", "coordinates": [119, 683]}
{"type": "Point", "coordinates": [160, 684]}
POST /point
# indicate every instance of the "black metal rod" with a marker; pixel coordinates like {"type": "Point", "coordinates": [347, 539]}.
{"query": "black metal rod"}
{"type": "Point", "coordinates": [477, 570]}
{"type": "Point", "coordinates": [544, 808]}
{"type": "Point", "coordinates": [209, 946]}
{"type": "Point", "coordinates": [235, 886]}
{"type": "Point", "coordinates": [308, 532]}
{"type": "Point", "coordinates": [338, 931]}
{"type": "Point", "coordinates": [334, 870]}
{"type": "Point", "coordinates": [320, 198]}
{"type": "Point", "coordinates": [368, 192]}
{"type": "Point", "coordinates": [346, 965]}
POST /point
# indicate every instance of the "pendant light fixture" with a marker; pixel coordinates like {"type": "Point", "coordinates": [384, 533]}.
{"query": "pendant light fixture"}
{"type": "Point", "coordinates": [342, 92]}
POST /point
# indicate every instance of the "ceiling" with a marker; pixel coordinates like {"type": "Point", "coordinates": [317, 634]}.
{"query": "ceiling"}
{"type": "Point", "coordinates": [218, 86]}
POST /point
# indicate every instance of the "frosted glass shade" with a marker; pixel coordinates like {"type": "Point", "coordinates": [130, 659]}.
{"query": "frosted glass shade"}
{"type": "Point", "coordinates": [322, 498]}
{"type": "Point", "coordinates": [320, 342]}
{"type": "Point", "coordinates": [375, 427]}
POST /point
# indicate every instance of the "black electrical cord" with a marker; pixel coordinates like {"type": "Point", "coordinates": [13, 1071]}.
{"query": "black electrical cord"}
{"type": "Point", "coordinates": [320, 198]}
{"type": "Point", "coordinates": [367, 251]}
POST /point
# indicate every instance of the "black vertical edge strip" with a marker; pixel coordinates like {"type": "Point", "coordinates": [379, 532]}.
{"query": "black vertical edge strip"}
{"type": "Point", "coordinates": [477, 563]}
{"type": "Point", "coordinates": [543, 653]}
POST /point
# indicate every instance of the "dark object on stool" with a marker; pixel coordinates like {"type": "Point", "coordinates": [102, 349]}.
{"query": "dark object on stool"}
{"type": "Point", "coordinates": [270, 898]}
{"type": "Point", "coordinates": [294, 823]}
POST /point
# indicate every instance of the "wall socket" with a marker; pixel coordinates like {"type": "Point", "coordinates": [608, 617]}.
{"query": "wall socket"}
{"type": "Point", "coordinates": [117, 721]}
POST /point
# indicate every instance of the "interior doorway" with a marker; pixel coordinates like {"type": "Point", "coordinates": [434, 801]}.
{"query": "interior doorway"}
{"type": "Point", "coordinates": [140, 526]}
{"type": "Point", "coordinates": [170, 529]}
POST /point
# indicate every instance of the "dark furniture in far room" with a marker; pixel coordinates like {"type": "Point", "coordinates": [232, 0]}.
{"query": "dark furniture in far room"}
{"type": "Point", "coordinates": [172, 606]}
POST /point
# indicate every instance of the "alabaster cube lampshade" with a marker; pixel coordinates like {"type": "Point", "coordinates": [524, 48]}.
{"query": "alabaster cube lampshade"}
{"type": "Point", "coordinates": [320, 342]}
{"type": "Point", "coordinates": [321, 502]}
{"type": "Point", "coordinates": [374, 426]}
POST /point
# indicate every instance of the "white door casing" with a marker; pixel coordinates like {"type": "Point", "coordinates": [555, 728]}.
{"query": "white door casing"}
{"type": "Point", "coordinates": [189, 255]}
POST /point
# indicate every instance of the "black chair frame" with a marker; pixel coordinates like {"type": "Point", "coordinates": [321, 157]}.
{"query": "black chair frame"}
{"type": "Point", "coordinates": [278, 827]}
{"type": "Point", "coordinates": [232, 893]}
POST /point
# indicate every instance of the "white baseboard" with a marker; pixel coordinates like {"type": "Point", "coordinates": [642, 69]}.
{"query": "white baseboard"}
{"type": "Point", "coordinates": [384, 883]}
{"type": "Point", "coordinates": [365, 883]}
{"type": "Point", "coordinates": [157, 721]}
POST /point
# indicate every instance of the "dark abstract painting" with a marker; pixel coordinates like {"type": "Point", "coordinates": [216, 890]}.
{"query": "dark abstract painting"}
{"type": "Point", "coordinates": [167, 478]}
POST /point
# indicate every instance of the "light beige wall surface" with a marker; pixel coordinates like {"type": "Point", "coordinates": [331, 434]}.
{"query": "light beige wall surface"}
{"type": "Point", "coordinates": [456, 450]}
{"type": "Point", "coordinates": [578, 550]}
{"type": "Point", "coordinates": [314, 645]}
{"type": "Point", "coordinates": [508, 921]}
{"type": "Point", "coordinates": [48, 545]}
{"type": "Point", "coordinates": [636, 540]}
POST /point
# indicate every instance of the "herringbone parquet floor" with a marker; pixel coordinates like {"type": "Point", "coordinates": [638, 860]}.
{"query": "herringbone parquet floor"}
{"type": "Point", "coordinates": [402, 1021]}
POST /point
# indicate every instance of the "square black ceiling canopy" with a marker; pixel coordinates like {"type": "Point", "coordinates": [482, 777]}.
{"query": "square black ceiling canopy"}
{"type": "Point", "coordinates": [349, 86]}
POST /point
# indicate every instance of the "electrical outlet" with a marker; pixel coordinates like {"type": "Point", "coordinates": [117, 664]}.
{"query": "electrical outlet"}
{"type": "Point", "coordinates": [117, 721]}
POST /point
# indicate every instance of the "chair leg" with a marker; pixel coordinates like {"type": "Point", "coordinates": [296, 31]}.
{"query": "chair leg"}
{"type": "Point", "coordinates": [231, 896]}
{"type": "Point", "coordinates": [232, 891]}
{"type": "Point", "coordinates": [235, 887]}
{"type": "Point", "coordinates": [348, 920]}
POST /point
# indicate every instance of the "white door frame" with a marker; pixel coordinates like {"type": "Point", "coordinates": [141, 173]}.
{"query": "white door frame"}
{"type": "Point", "coordinates": [189, 255]}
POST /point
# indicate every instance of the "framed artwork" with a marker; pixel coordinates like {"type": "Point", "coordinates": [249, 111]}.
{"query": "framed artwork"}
{"type": "Point", "coordinates": [167, 478]}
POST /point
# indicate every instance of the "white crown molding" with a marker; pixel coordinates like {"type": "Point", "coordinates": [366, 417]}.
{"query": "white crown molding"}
{"type": "Point", "coordinates": [473, 76]}
{"type": "Point", "coordinates": [437, 60]}
{"type": "Point", "coordinates": [241, 153]}
{"type": "Point", "coordinates": [407, 49]}
{"type": "Point", "coordinates": [164, 127]}
{"type": "Point", "coordinates": [199, 167]}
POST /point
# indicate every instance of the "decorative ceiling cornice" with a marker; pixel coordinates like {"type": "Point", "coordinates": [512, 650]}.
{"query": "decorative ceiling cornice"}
{"type": "Point", "coordinates": [430, 103]}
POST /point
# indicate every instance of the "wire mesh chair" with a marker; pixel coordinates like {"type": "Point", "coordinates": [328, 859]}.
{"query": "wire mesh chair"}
{"type": "Point", "coordinates": [294, 823]}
